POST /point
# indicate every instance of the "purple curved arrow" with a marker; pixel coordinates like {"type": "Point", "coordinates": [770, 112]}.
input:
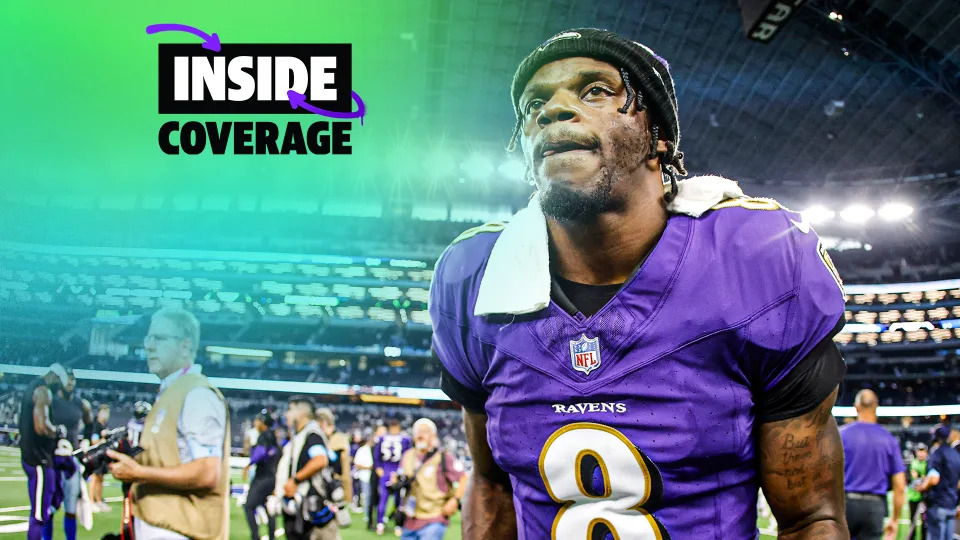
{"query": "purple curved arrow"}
{"type": "Point", "coordinates": [210, 41]}
{"type": "Point", "coordinates": [299, 100]}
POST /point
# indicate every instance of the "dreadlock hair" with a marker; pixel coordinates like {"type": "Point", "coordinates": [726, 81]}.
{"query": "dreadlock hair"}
{"type": "Point", "coordinates": [671, 161]}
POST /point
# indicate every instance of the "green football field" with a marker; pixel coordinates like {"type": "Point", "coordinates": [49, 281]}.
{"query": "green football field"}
{"type": "Point", "coordinates": [14, 511]}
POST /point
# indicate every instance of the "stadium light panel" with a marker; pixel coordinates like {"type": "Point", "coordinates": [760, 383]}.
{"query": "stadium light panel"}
{"type": "Point", "coordinates": [477, 167]}
{"type": "Point", "coordinates": [234, 351]}
{"type": "Point", "coordinates": [817, 214]}
{"type": "Point", "coordinates": [895, 211]}
{"type": "Point", "coordinates": [391, 352]}
{"type": "Point", "coordinates": [512, 169]}
{"type": "Point", "coordinates": [439, 164]}
{"type": "Point", "coordinates": [857, 213]}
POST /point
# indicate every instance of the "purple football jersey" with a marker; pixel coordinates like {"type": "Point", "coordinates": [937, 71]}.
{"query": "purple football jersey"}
{"type": "Point", "coordinates": [389, 449]}
{"type": "Point", "coordinates": [639, 419]}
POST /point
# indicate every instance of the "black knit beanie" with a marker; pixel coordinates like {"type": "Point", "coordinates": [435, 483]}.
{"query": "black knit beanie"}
{"type": "Point", "coordinates": [649, 75]}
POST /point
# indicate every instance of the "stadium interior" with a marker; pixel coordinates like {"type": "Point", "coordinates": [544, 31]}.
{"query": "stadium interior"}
{"type": "Point", "coordinates": [850, 114]}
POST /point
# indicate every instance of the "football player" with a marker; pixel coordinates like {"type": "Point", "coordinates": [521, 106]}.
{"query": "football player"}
{"type": "Point", "coordinates": [386, 460]}
{"type": "Point", "coordinates": [636, 357]}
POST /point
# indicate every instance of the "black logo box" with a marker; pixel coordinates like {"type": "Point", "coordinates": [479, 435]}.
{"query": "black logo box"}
{"type": "Point", "coordinates": [342, 81]}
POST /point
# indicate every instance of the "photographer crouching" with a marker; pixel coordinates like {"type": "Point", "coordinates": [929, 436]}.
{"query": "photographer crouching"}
{"type": "Point", "coordinates": [305, 486]}
{"type": "Point", "coordinates": [428, 476]}
{"type": "Point", "coordinates": [180, 480]}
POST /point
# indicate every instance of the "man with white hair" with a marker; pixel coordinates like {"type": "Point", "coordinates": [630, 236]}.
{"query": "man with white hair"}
{"type": "Point", "coordinates": [180, 481]}
{"type": "Point", "coordinates": [38, 440]}
{"type": "Point", "coordinates": [437, 484]}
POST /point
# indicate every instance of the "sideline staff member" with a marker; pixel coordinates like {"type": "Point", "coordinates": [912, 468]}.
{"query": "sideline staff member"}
{"type": "Point", "coordinates": [872, 463]}
{"type": "Point", "coordinates": [180, 481]}
{"type": "Point", "coordinates": [940, 486]}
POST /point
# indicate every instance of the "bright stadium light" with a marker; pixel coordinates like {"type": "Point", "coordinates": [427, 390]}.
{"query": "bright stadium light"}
{"type": "Point", "coordinates": [817, 214]}
{"type": "Point", "coordinates": [391, 352]}
{"type": "Point", "coordinates": [477, 167]}
{"type": "Point", "coordinates": [857, 213]}
{"type": "Point", "coordinates": [895, 211]}
{"type": "Point", "coordinates": [512, 169]}
{"type": "Point", "coordinates": [439, 163]}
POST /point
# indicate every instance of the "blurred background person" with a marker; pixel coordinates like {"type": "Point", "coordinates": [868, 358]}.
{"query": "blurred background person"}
{"type": "Point", "coordinates": [304, 477]}
{"type": "Point", "coordinates": [134, 432]}
{"type": "Point", "coordinates": [38, 440]}
{"type": "Point", "coordinates": [386, 460]}
{"type": "Point", "coordinates": [918, 470]}
{"type": "Point", "coordinates": [437, 484]}
{"type": "Point", "coordinates": [940, 485]}
{"type": "Point", "coordinates": [363, 462]}
{"type": "Point", "coordinates": [872, 464]}
{"type": "Point", "coordinates": [340, 459]}
{"type": "Point", "coordinates": [73, 413]}
{"type": "Point", "coordinates": [95, 433]}
{"type": "Point", "coordinates": [264, 456]}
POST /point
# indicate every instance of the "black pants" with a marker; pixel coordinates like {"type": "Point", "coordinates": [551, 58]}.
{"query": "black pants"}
{"type": "Point", "coordinates": [257, 496]}
{"type": "Point", "coordinates": [290, 526]}
{"type": "Point", "coordinates": [865, 517]}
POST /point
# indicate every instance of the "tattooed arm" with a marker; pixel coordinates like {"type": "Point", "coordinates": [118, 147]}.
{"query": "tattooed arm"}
{"type": "Point", "coordinates": [488, 509]}
{"type": "Point", "coordinates": [801, 472]}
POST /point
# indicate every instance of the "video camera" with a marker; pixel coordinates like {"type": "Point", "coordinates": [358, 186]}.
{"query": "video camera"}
{"type": "Point", "coordinates": [94, 457]}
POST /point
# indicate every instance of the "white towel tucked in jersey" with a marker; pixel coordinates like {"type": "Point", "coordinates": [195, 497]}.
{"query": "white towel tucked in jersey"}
{"type": "Point", "coordinates": [517, 276]}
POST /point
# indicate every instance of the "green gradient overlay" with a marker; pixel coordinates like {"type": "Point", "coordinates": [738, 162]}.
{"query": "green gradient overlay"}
{"type": "Point", "coordinates": [79, 96]}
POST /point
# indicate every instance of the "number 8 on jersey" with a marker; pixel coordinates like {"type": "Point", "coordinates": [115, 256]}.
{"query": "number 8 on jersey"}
{"type": "Point", "coordinates": [569, 462]}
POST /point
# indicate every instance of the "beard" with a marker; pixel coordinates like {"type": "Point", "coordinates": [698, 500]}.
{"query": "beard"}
{"type": "Point", "coordinates": [628, 149]}
{"type": "Point", "coordinates": [565, 203]}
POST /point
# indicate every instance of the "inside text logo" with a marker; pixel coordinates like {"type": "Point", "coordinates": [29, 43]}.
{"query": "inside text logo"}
{"type": "Point", "coordinates": [239, 79]}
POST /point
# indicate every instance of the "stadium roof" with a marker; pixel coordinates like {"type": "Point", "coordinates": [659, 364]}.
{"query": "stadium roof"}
{"type": "Point", "coordinates": [874, 95]}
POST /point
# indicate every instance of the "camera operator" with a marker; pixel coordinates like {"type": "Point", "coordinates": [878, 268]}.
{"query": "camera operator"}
{"type": "Point", "coordinates": [305, 477]}
{"type": "Point", "coordinates": [264, 455]}
{"type": "Point", "coordinates": [430, 474]}
{"type": "Point", "coordinates": [72, 412]}
{"type": "Point", "coordinates": [180, 480]}
{"type": "Point", "coordinates": [38, 440]}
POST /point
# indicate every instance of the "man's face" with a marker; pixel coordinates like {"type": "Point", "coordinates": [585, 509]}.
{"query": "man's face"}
{"type": "Point", "coordinates": [71, 384]}
{"type": "Point", "coordinates": [576, 145]}
{"type": "Point", "coordinates": [294, 415]}
{"type": "Point", "coordinates": [103, 415]}
{"type": "Point", "coordinates": [167, 350]}
{"type": "Point", "coordinates": [423, 437]}
{"type": "Point", "coordinates": [922, 455]}
{"type": "Point", "coordinates": [259, 426]}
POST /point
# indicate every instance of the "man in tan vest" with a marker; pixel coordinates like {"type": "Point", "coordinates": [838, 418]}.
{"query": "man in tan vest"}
{"type": "Point", "coordinates": [180, 481]}
{"type": "Point", "coordinates": [438, 485]}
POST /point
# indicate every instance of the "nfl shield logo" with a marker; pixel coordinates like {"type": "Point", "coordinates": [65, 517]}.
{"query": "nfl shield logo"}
{"type": "Point", "coordinates": [585, 354]}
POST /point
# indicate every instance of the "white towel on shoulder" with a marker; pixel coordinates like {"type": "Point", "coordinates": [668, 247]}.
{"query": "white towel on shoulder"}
{"type": "Point", "coordinates": [517, 276]}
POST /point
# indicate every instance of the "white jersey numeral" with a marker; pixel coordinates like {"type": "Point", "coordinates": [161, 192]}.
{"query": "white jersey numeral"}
{"type": "Point", "coordinates": [568, 462]}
